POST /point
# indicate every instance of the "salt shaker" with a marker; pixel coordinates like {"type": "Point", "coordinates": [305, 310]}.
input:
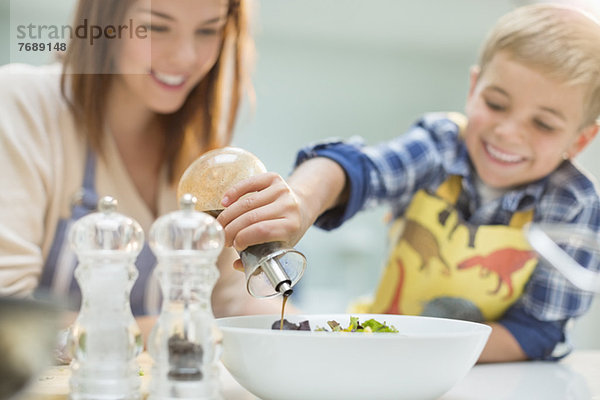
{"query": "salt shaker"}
{"type": "Point", "coordinates": [105, 339]}
{"type": "Point", "coordinates": [185, 342]}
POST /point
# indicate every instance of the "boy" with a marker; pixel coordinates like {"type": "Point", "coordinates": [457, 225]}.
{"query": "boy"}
{"type": "Point", "coordinates": [461, 189]}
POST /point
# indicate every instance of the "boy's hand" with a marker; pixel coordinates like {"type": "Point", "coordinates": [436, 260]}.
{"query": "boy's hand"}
{"type": "Point", "coordinates": [262, 209]}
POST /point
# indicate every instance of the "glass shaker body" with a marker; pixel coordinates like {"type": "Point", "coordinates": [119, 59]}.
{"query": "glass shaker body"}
{"type": "Point", "coordinates": [105, 339]}
{"type": "Point", "coordinates": [185, 341]}
{"type": "Point", "coordinates": [271, 269]}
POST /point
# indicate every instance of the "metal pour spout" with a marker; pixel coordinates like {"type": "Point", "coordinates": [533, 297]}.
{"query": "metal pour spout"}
{"type": "Point", "coordinates": [276, 275]}
{"type": "Point", "coordinates": [272, 269]}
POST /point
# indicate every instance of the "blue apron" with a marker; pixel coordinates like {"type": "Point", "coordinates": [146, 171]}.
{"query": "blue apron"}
{"type": "Point", "coordinates": [58, 272]}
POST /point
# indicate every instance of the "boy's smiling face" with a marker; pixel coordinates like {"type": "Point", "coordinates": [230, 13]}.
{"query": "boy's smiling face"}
{"type": "Point", "coordinates": [522, 123]}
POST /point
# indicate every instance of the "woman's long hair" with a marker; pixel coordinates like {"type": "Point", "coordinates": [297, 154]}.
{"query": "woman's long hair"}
{"type": "Point", "coordinates": [206, 119]}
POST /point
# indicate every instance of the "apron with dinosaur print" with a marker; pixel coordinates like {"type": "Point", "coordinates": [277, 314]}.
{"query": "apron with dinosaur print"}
{"type": "Point", "coordinates": [442, 266]}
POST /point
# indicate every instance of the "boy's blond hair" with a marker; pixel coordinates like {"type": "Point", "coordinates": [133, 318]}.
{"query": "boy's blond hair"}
{"type": "Point", "coordinates": [561, 41]}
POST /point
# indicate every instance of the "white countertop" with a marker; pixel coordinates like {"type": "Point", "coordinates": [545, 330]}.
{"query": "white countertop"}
{"type": "Point", "coordinates": [577, 377]}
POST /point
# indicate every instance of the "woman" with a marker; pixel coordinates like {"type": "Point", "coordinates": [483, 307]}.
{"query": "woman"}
{"type": "Point", "coordinates": [123, 117]}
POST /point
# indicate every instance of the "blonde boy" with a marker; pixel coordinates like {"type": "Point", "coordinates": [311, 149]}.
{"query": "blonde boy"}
{"type": "Point", "coordinates": [463, 188]}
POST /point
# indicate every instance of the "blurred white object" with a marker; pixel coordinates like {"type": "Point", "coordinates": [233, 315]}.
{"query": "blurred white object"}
{"type": "Point", "coordinates": [545, 240]}
{"type": "Point", "coordinates": [62, 350]}
{"type": "Point", "coordinates": [423, 361]}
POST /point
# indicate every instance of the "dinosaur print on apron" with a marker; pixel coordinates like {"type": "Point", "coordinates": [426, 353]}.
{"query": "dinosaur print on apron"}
{"type": "Point", "coordinates": [440, 265]}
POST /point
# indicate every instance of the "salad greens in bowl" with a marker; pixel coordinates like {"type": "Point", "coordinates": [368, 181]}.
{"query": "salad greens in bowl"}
{"type": "Point", "coordinates": [350, 356]}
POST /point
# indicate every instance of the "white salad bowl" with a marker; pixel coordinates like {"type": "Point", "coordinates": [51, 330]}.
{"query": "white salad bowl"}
{"type": "Point", "coordinates": [425, 359]}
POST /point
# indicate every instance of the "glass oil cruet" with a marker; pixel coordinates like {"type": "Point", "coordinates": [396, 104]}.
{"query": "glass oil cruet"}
{"type": "Point", "coordinates": [105, 339]}
{"type": "Point", "coordinates": [271, 269]}
{"type": "Point", "coordinates": [185, 342]}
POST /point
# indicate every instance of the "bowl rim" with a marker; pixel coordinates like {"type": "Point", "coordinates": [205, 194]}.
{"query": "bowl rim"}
{"type": "Point", "coordinates": [477, 328]}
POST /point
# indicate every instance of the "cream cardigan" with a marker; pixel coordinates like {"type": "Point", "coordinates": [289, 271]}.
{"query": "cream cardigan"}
{"type": "Point", "coordinates": [42, 160]}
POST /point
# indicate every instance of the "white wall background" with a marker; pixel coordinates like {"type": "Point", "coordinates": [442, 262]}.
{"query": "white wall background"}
{"type": "Point", "coordinates": [342, 68]}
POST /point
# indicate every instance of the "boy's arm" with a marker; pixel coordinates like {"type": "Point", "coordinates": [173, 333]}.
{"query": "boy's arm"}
{"type": "Point", "coordinates": [501, 346]}
{"type": "Point", "coordinates": [334, 180]}
{"type": "Point", "coordinates": [321, 184]}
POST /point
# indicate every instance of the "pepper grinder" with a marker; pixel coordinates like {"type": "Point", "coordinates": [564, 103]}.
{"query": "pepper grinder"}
{"type": "Point", "coordinates": [105, 339]}
{"type": "Point", "coordinates": [271, 269]}
{"type": "Point", "coordinates": [185, 342]}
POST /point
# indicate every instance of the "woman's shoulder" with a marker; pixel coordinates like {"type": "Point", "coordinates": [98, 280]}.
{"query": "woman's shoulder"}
{"type": "Point", "coordinates": [35, 121]}
{"type": "Point", "coordinates": [31, 85]}
{"type": "Point", "coordinates": [19, 74]}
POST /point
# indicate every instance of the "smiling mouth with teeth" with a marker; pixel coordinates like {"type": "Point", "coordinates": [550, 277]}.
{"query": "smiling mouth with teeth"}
{"type": "Point", "coordinates": [169, 80]}
{"type": "Point", "coordinates": [501, 156]}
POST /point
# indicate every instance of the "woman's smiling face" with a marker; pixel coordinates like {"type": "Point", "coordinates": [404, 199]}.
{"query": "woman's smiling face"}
{"type": "Point", "coordinates": [182, 44]}
{"type": "Point", "coordinates": [522, 123]}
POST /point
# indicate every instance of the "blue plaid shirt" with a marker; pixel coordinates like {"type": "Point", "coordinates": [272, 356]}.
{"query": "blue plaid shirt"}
{"type": "Point", "coordinates": [422, 158]}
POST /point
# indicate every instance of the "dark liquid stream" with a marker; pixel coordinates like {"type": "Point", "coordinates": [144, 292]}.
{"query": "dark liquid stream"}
{"type": "Point", "coordinates": [285, 298]}
{"type": "Point", "coordinates": [215, 214]}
